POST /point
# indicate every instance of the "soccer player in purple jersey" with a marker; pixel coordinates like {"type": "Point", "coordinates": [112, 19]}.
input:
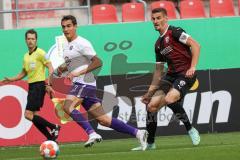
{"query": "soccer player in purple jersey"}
{"type": "Point", "coordinates": [80, 60]}
{"type": "Point", "coordinates": [181, 52]}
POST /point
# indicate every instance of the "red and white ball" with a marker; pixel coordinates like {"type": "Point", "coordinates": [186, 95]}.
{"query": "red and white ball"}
{"type": "Point", "coordinates": [49, 149]}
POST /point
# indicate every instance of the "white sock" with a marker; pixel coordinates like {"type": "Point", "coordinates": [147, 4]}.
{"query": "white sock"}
{"type": "Point", "coordinates": [138, 135]}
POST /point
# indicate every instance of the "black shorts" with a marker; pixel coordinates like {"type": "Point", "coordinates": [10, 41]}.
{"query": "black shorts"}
{"type": "Point", "coordinates": [35, 98]}
{"type": "Point", "coordinates": [179, 82]}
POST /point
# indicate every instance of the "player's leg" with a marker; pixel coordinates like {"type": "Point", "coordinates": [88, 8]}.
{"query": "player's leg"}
{"type": "Point", "coordinates": [180, 113]}
{"type": "Point", "coordinates": [159, 99]}
{"type": "Point", "coordinates": [156, 102]}
{"type": "Point", "coordinates": [35, 101]}
{"type": "Point", "coordinates": [43, 129]}
{"type": "Point", "coordinates": [72, 99]}
{"type": "Point", "coordinates": [183, 84]}
{"type": "Point", "coordinates": [97, 111]}
{"type": "Point", "coordinates": [105, 120]}
{"type": "Point", "coordinates": [172, 96]}
{"type": "Point", "coordinates": [69, 107]}
{"type": "Point", "coordinates": [151, 122]}
{"type": "Point", "coordinates": [77, 94]}
{"type": "Point", "coordinates": [151, 126]}
{"type": "Point", "coordinates": [54, 128]}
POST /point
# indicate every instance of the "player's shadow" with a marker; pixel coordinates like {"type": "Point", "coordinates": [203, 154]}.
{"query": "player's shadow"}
{"type": "Point", "coordinates": [133, 76]}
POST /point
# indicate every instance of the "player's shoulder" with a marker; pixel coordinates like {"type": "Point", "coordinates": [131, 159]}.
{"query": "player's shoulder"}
{"type": "Point", "coordinates": [158, 40]}
{"type": "Point", "coordinates": [176, 29]}
{"type": "Point", "coordinates": [25, 56]}
{"type": "Point", "coordinates": [82, 40]}
{"type": "Point", "coordinates": [40, 51]}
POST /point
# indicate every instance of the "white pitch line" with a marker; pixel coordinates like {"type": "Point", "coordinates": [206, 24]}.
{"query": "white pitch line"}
{"type": "Point", "coordinates": [111, 153]}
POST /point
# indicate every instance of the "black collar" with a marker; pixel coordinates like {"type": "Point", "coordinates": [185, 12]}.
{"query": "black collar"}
{"type": "Point", "coordinates": [33, 51]}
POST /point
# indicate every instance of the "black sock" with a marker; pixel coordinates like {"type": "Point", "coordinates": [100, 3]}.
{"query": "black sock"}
{"type": "Point", "coordinates": [43, 122]}
{"type": "Point", "coordinates": [151, 126]}
{"type": "Point", "coordinates": [42, 129]}
{"type": "Point", "coordinates": [180, 113]}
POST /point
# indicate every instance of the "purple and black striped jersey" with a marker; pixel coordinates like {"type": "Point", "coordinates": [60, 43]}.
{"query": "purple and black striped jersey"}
{"type": "Point", "coordinates": [170, 48]}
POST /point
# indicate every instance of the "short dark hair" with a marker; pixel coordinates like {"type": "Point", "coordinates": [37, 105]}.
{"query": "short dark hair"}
{"type": "Point", "coordinates": [162, 10]}
{"type": "Point", "coordinates": [69, 17]}
{"type": "Point", "coordinates": [30, 31]}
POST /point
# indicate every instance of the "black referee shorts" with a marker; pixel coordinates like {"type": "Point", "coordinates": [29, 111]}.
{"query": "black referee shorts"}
{"type": "Point", "coordinates": [35, 98]}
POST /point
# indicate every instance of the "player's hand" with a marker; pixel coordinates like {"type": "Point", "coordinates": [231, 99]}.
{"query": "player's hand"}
{"type": "Point", "coordinates": [50, 91]}
{"type": "Point", "coordinates": [61, 69]}
{"type": "Point", "coordinates": [71, 75]}
{"type": "Point", "coordinates": [146, 98]}
{"type": "Point", "coordinates": [58, 72]}
{"type": "Point", "coordinates": [190, 72]}
{"type": "Point", "coordinates": [6, 80]}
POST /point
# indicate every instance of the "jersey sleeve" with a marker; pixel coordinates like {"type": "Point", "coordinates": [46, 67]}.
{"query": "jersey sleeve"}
{"type": "Point", "coordinates": [88, 51]}
{"type": "Point", "coordinates": [24, 63]}
{"type": "Point", "coordinates": [43, 57]}
{"type": "Point", "coordinates": [180, 35]}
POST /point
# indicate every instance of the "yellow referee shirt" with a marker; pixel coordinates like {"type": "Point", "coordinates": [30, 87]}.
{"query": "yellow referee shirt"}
{"type": "Point", "coordinates": [34, 65]}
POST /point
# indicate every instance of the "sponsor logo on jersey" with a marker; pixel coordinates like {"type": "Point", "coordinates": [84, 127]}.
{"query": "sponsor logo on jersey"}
{"type": "Point", "coordinates": [167, 39]}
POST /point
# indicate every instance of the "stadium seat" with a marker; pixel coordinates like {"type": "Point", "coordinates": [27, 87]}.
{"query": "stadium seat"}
{"type": "Point", "coordinates": [133, 12]}
{"type": "Point", "coordinates": [239, 7]}
{"type": "Point", "coordinates": [192, 9]}
{"type": "Point", "coordinates": [168, 5]}
{"type": "Point", "coordinates": [221, 8]}
{"type": "Point", "coordinates": [104, 13]}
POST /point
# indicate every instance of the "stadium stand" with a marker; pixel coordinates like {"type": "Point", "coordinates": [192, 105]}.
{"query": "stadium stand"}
{"type": "Point", "coordinates": [168, 5]}
{"type": "Point", "coordinates": [112, 12]}
{"type": "Point", "coordinates": [104, 13]}
{"type": "Point", "coordinates": [39, 4]}
{"type": "Point", "coordinates": [221, 8]}
{"type": "Point", "coordinates": [192, 9]}
{"type": "Point", "coordinates": [133, 12]}
{"type": "Point", "coordinates": [239, 7]}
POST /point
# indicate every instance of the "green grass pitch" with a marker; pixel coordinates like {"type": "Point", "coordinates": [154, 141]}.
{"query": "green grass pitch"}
{"type": "Point", "coordinates": [212, 147]}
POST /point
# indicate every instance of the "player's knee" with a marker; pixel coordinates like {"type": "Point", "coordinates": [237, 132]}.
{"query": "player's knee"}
{"type": "Point", "coordinates": [28, 115]}
{"type": "Point", "coordinates": [67, 109]}
{"type": "Point", "coordinates": [104, 121]}
{"type": "Point", "coordinates": [68, 106]}
{"type": "Point", "coordinates": [152, 108]}
{"type": "Point", "coordinates": [170, 100]}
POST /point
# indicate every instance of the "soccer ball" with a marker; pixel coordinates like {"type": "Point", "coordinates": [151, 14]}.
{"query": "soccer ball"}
{"type": "Point", "coordinates": [49, 149]}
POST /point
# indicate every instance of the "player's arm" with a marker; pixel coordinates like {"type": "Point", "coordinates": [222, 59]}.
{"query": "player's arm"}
{"type": "Point", "coordinates": [195, 49]}
{"type": "Point", "coordinates": [50, 72]}
{"type": "Point", "coordinates": [19, 76]}
{"type": "Point", "coordinates": [159, 68]}
{"type": "Point", "coordinates": [49, 88]}
{"type": "Point", "coordinates": [156, 77]}
{"type": "Point", "coordinates": [48, 64]}
{"type": "Point", "coordinates": [90, 53]}
{"type": "Point", "coordinates": [155, 82]}
{"type": "Point", "coordinates": [96, 63]}
{"type": "Point", "coordinates": [186, 39]}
